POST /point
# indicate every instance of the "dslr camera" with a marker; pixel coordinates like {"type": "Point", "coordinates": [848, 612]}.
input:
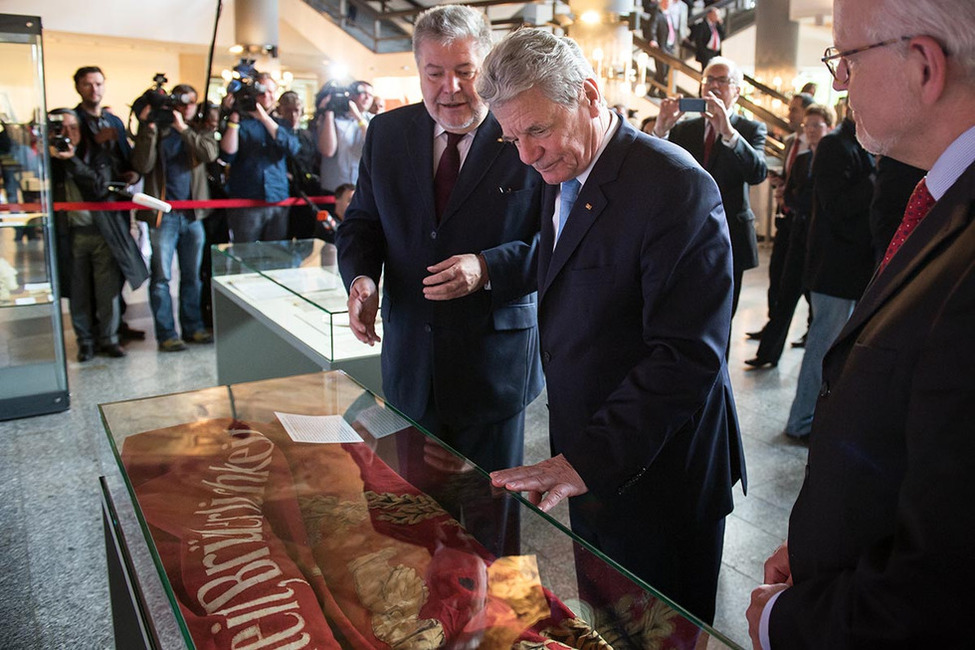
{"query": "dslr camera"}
{"type": "Point", "coordinates": [55, 133]}
{"type": "Point", "coordinates": [161, 102]}
{"type": "Point", "coordinates": [244, 87]}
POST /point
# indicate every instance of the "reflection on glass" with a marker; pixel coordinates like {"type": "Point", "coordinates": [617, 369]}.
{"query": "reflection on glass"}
{"type": "Point", "coordinates": [328, 545]}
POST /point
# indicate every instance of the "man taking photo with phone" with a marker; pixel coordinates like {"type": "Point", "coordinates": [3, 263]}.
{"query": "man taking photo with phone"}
{"type": "Point", "coordinates": [730, 147]}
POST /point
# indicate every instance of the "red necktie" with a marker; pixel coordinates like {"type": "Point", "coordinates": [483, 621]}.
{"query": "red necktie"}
{"type": "Point", "coordinates": [715, 43]}
{"type": "Point", "coordinates": [447, 171]}
{"type": "Point", "coordinates": [708, 144]}
{"type": "Point", "coordinates": [917, 208]}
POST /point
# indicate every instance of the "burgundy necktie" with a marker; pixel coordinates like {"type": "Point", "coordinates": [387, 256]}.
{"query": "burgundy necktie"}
{"type": "Point", "coordinates": [918, 207]}
{"type": "Point", "coordinates": [708, 144]}
{"type": "Point", "coordinates": [447, 171]}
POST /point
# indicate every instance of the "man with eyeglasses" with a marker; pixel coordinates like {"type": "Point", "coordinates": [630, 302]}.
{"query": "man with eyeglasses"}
{"type": "Point", "coordinates": [730, 147]}
{"type": "Point", "coordinates": [879, 553]}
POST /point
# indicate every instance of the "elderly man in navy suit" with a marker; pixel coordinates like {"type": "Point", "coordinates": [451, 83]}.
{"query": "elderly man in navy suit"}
{"type": "Point", "coordinates": [730, 147]}
{"type": "Point", "coordinates": [444, 210]}
{"type": "Point", "coordinates": [634, 279]}
{"type": "Point", "coordinates": [879, 553]}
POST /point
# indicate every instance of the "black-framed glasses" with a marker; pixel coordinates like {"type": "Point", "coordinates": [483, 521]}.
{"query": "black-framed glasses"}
{"type": "Point", "coordinates": [836, 61]}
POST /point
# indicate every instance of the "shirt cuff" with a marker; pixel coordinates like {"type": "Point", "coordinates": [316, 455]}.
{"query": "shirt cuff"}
{"type": "Point", "coordinates": [732, 141]}
{"type": "Point", "coordinates": [763, 622]}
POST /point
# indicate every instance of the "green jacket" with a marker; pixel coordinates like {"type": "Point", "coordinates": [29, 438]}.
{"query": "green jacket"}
{"type": "Point", "coordinates": [203, 149]}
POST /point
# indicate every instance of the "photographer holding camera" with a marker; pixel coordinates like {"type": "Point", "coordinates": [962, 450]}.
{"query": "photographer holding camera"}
{"type": "Point", "coordinates": [257, 147]}
{"type": "Point", "coordinates": [173, 157]}
{"type": "Point", "coordinates": [342, 119]}
{"type": "Point", "coordinates": [96, 253]}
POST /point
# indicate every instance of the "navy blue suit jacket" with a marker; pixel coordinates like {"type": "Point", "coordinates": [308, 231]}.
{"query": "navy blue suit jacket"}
{"type": "Point", "coordinates": [479, 353]}
{"type": "Point", "coordinates": [634, 311]}
{"type": "Point", "coordinates": [733, 169]}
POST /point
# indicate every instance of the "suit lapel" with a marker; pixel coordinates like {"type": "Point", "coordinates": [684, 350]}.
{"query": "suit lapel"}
{"type": "Point", "coordinates": [419, 148]}
{"type": "Point", "coordinates": [590, 204]}
{"type": "Point", "coordinates": [487, 146]}
{"type": "Point", "coordinates": [947, 217]}
{"type": "Point", "coordinates": [546, 237]}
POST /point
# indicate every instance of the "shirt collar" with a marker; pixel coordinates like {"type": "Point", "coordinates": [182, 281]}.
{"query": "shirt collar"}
{"type": "Point", "coordinates": [950, 165]}
{"type": "Point", "coordinates": [614, 123]}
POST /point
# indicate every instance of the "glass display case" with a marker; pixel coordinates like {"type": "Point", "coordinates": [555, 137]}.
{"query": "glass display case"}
{"type": "Point", "coordinates": [279, 513]}
{"type": "Point", "coordinates": [279, 309]}
{"type": "Point", "coordinates": [33, 375]}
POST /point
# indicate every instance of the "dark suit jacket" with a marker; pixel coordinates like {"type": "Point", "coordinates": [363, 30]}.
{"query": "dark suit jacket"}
{"type": "Point", "coordinates": [893, 185]}
{"type": "Point", "coordinates": [839, 254]}
{"type": "Point", "coordinates": [701, 37]}
{"type": "Point", "coordinates": [478, 354]}
{"type": "Point", "coordinates": [733, 169]}
{"type": "Point", "coordinates": [634, 310]}
{"type": "Point", "coordinates": [880, 538]}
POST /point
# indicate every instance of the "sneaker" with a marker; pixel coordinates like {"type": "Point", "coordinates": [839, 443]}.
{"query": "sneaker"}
{"type": "Point", "coordinates": [201, 336]}
{"type": "Point", "coordinates": [172, 345]}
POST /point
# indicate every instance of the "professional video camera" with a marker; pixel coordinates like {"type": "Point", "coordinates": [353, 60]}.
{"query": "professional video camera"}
{"type": "Point", "coordinates": [55, 133]}
{"type": "Point", "coordinates": [339, 102]}
{"type": "Point", "coordinates": [244, 87]}
{"type": "Point", "coordinates": [161, 102]}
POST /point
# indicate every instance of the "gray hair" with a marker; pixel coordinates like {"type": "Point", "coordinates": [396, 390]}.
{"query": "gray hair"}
{"type": "Point", "coordinates": [534, 58]}
{"type": "Point", "coordinates": [735, 74]}
{"type": "Point", "coordinates": [447, 23]}
{"type": "Point", "coordinates": [950, 22]}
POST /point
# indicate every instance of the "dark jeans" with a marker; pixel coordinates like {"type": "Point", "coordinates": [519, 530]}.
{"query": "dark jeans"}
{"type": "Point", "coordinates": [181, 234]}
{"type": "Point", "coordinates": [257, 224]}
{"type": "Point", "coordinates": [95, 282]}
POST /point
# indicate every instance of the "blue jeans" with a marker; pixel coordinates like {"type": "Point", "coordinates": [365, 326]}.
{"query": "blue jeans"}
{"type": "Point", "coordinates": [829, 316]}
{"type": "Point", "coordinates": [181, 234]}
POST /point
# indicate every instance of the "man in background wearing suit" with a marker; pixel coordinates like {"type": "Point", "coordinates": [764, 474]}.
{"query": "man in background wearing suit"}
{"type": "Point", "coordinates": [634, 283]}
{"type": "Point", "coordinates": [879, 553]}
{"type": "Point", "coordinates": [444, 209]}
{"type": "Point", "coordinates": [707, 36]}
{"type": "Point", "coordinates": [730, 147]}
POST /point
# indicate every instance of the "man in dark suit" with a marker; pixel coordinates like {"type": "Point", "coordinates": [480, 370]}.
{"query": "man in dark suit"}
{"type": "Point", "coordinates": [459, 305]}
{"type": "Point", "coordinates": [707, 36]}
{"type": "Point", "coordinates": [880, 539]}
{"type": "Point", "coordinates": [731, 148]}
{"type": "Point", "coordinates": [634, 309]}
{"type": "Point", "coordinates": [839, 256]}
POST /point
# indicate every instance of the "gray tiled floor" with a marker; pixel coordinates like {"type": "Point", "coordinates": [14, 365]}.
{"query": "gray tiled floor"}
{"type": "Point", "coordinates": [53, 586]}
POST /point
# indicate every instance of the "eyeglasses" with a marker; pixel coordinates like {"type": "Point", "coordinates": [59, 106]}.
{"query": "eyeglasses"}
{"type": "Point", "coordinates": [836, 61]}
{"type": "Point", "coordinates": [721, 81]}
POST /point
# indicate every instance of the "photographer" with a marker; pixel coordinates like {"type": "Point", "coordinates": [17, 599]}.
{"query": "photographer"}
{"type": "Point", "coordinates": [301, 167]}
{"type": "Point", "coordinates": [173, 157]}
{"type": "Point", "coordinates": [342, 119]}
{"type": "Point", "coordinates": [95, 250]}
{"type": "Point", "coordinates": [256, 147]}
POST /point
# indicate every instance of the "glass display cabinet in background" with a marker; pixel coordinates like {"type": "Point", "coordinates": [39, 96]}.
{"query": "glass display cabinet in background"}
{"type": "Point", "coordinates": [279, 309]}
{"type": "Point", "coordinates": [296, 512]}
{"type": "Point", "coordinates": [33, 375]}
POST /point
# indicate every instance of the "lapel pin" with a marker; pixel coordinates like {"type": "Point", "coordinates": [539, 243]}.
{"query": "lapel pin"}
{"type": "Point", "coordinates": [589, 206]}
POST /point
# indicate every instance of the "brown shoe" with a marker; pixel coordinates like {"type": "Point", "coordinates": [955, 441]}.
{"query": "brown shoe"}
{"type": "Point", "coordinates": [201, 336]}
{"type": "Point", "coordinates": [172, 345]}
